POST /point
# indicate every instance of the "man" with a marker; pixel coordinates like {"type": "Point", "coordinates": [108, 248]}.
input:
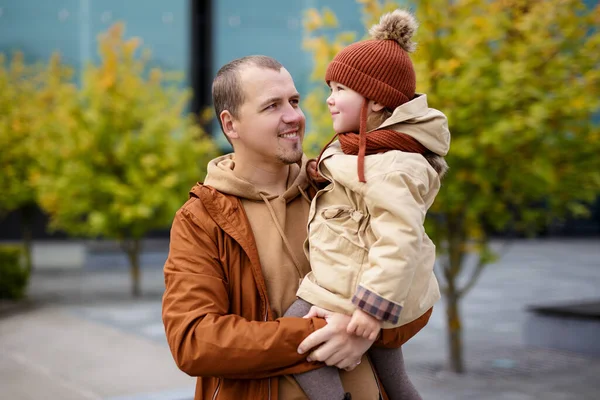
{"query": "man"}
{"type": "Point", "coordinates": [236, 256]}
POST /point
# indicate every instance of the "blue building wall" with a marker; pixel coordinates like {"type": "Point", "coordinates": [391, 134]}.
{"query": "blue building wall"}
{"type": "Point", "coordinates": [273, 28]}
{"type": "Point", "coordinates": [239, 28]}
{"type": "Point", "coordinates": [41, 27]}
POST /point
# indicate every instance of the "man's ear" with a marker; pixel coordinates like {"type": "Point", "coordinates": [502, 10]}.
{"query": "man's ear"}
{"type": "Point", "coordinates": [228, 125]}
{"type": "Point", "coordinates": [376, 107]}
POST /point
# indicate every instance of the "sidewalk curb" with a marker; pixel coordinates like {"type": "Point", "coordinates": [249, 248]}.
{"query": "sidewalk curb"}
{"type": "Point", "coordinates": [9, 308]}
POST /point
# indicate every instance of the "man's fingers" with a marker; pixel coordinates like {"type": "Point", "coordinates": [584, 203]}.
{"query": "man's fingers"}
{"type": "Point", "coordinates": [348, 365]}
{"type": "Point", "coordinates": [311, 313]}
{"type": "Point", "coordinates": [345, 365]}
{"type": "Point", "coordinates": [327, 354]}
{"type": "Point", "coordinates": [314, 339]}
{"type": "Point", "coordinates": [334, 360]}
{"type": "Point", "coordinates": [317, 312]}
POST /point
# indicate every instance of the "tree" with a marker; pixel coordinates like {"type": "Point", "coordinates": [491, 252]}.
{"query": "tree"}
{"type": "Point", "coordinates": [519, 82]}
{"type": "Point", "coordinates": [122, 152]}
{"type": "Point", "coordinates": [24, 92]}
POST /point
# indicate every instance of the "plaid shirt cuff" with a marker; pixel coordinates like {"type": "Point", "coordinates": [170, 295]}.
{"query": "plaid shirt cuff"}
{"type": "Point", "coordinates": [376, 305]}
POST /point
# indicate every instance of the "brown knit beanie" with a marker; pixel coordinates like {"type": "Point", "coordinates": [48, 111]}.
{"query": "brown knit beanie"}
{"type": "Point", "coordinates": [380, 68]}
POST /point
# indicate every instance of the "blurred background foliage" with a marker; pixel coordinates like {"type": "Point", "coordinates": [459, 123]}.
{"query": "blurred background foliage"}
{"type": "Point", "coordinates": [111, 157]}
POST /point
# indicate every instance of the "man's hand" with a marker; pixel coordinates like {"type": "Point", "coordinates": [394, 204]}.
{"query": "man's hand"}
{"type": "Point", "coordinates": [336, 347]}
{"type": "Point", "coordinates": [311, 168]}
{"type": "Point", "coordinates": [364, 324]}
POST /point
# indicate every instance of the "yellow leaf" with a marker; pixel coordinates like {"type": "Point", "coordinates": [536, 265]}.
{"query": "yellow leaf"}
{"type": "Point", "coordinates": [131, 46]}
{"type": "Point", "coordinates": [329, 19]}
{"type": "Point", "coordinates": [312, 20]}
{"type": "Point", "coordinates": [579, 103]}
{"type": "Point", "coordinates": [155, 75]}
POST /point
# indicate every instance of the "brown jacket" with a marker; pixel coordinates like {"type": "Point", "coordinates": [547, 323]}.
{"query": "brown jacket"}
{"type": "Point", "coordinates": [216, 313]}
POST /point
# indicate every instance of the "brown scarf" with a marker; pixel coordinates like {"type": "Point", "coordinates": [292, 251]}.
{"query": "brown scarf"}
{"type": "Point", "coordinates": [375, 142]}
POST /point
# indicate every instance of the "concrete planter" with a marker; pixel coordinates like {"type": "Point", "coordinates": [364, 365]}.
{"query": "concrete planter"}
{"type": "Point", "coordinates": [571, 327]}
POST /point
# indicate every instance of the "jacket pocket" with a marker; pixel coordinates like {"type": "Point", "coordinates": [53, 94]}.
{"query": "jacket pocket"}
{"type": "Point", "coordinates": [336, 255]}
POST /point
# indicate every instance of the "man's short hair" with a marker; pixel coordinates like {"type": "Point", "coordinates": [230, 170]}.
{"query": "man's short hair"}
{"type": "Point", "coordinates": [227, 91]}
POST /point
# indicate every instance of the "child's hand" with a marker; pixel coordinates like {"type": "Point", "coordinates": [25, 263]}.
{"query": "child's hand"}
{"type": "Point", "coordinates": [364, 324]}
{"type": "Point", "coordinates": [311, 168]}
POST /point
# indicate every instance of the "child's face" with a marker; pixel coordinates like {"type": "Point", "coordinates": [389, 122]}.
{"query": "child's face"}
{"type": "Point", "coordinates": [344, 106]}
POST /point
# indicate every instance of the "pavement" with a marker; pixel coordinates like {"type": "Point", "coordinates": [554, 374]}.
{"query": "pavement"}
{"type": "Point", "coordinates": [80, 335]}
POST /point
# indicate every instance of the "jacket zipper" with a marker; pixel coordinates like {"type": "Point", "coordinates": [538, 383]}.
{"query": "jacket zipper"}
{"type": "Point", "coordinates": [217, 390]}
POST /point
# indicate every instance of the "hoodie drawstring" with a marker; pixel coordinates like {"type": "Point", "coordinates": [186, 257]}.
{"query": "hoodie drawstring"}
{"type": "Point", "coordinates": [282, 234]}
{"type": "Point", "coordinates": [303, 193]}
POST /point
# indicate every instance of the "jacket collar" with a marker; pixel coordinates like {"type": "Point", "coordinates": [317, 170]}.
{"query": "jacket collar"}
{"type": "Point", "coordinates": [227, 211]}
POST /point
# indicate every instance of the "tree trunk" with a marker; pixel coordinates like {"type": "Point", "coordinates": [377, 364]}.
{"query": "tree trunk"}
{"type": "Point", "coordinates": [27, 233]}
{"type": "Point", "coordinates": [132, 247]}
{"type": "Point", "coordinates": [455, 345]}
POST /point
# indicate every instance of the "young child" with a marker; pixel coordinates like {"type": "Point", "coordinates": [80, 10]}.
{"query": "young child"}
{"type": "Point", "coordinates": [368, 250]}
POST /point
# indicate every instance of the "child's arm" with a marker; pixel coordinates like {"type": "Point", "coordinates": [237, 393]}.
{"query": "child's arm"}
{"type": "Point", "coordinates": [397, 213]}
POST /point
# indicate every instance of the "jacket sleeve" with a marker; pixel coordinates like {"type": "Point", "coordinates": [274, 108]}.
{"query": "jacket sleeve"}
{"type": "Point", "coordinates": [396, 337]}
{"type": "Point", "coordinates": [204, 337]}
{"type": "Point", "coordinates": [397, 213]}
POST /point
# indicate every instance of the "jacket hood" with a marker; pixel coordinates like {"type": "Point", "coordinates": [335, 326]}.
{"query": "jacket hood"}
{"type": "Point", "coordinates": [427, 125]}
{"type": "Point", "coordinates": [221, 177]}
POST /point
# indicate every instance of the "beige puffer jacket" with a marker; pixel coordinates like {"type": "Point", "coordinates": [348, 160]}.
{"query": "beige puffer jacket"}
{"type": "Point", "coordinates": [367, 244]}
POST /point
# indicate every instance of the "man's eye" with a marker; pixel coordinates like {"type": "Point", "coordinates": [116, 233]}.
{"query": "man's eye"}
{"type": "Point", "coordinates": [270, 106]}
{"type": "Point", "coordinates": [295, 102]}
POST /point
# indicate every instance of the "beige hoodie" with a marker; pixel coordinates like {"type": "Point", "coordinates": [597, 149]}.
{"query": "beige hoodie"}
{"type": "Point", "coordinates": [275, 221]}
{"type": "Point", "coordinates": [279, 227]}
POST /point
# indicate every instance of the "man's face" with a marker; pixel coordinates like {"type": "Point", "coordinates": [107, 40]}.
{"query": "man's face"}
{"type": "Point", "coordinates": [270, 124]}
